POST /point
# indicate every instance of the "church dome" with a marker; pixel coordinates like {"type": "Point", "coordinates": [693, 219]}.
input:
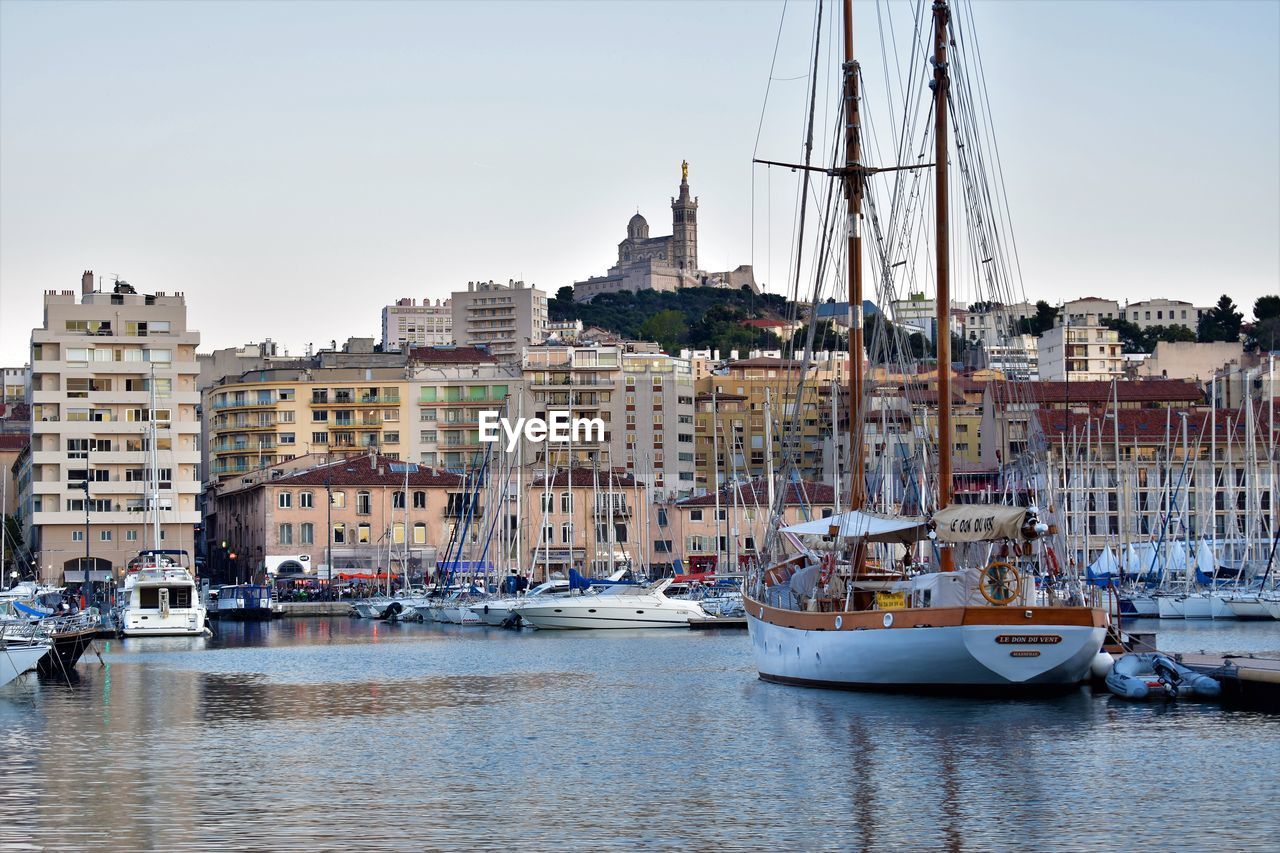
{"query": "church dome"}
{"type": "Point", "coordinates": [638, 228]}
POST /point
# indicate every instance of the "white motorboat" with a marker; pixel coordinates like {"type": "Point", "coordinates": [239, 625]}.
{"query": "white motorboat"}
{"type": "Point", "coordinates": [616, 607]}
{"type": "Point", "coordinates": [1247, 605]}
{"type": "Point", "coordinates": [496, 611]}
{"type": "Point", "coordinates": [21, 648]}
{"type": "Point", "coordinates": [1170, 606]}
{"type": "Point", "coordinates": [161, 598]}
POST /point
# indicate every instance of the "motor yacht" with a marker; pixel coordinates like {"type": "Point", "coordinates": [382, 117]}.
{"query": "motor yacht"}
{"type": "Point", "coordinates": [614, 607]}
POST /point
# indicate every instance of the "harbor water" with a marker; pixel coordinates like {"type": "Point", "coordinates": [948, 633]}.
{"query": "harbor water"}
{"type": "Point", "coordinates": [327, 733]}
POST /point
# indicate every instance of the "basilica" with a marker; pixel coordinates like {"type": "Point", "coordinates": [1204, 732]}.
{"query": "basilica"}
{"type": "Point", "coordinates": [662, 263]}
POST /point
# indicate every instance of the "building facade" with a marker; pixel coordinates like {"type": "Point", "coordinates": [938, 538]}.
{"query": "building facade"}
{"type": "Point", "coordinates": [113, 387]}
{"type": "Point", "coordinates": [1080, 350]}
{"type": "Point", "coordinates": [1163, 312]}
{"type": "Point", "coordinates": [408, 324]}
{"type": "Point", "coordinates": [504, 318]}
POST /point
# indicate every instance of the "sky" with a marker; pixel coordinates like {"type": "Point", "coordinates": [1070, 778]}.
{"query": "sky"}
{"type": "Point", "coordinates": [292, 167]}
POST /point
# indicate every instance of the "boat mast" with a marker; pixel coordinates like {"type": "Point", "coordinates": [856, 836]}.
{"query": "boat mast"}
{"type": "Point", "coordinates": [941, 84]}
{"type": "Point", "coordinates": [854, 185]}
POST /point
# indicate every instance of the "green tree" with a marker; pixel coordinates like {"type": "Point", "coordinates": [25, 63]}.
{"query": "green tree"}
{"type": "Point", "coordinates": [826, 337]}
{"type": "Point", "coordinates": [1266, 308]}
{"type": "Point", "coordinates": [1221, 322]}
{"type": "Point", "coordinates": [1170, 334]}
{"type": "Point", "coordinates": [1042, 322]}
{"type": "Point", "coordinates": [1132, 338]}
{"type": "Point", "coordinates": [667, 327]}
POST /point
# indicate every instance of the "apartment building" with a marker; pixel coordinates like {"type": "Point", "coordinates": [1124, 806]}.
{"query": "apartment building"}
{"type": "Point", "coordinates": [352, 514]}
{"type": "Point", "coordinates": [727, 529]}
{"type": "Point", "coordinates": [587, 521]}
{"type": "Point", "coordinates": [113, 383]}
{"type": "Point", "coordinates": [17, 384]}
{"type": "Point", "coordinates": [408, 324]}
{"type": "Point", "coordinates": [1081, 350]}
{"type": "Point", "coordinates": [505, 318]}
{"type": "Point", "coordinates": [732, 442]}
{"type": "Point", "coordinates": [449, 387]}
{"type": "Point", "coordinates": [1163, 312]}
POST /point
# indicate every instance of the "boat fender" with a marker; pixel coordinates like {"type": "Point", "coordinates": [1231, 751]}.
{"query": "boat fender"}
{"type": "Point", "coordinates": [1102, 663]}
{"type": "Point", "coordinates": [1052, 558]}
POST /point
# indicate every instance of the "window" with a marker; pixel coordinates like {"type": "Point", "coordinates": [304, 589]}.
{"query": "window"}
{"type": "Point", "coordinates": [306, 500]}
{"type": "Point", "coordinates": [286, 534]}
{"type": "Point", "coordinates": [662, 546]}
{"type": "Point", "coordinates": [695, 515]}
{"type": "Point", "coordinates": [397, 500]}
{"type": "Point", "coordinates": [428, 436]}
{"type": "Point", "coordinates": [319, 417]}
{"type": "Point", "coordinates": [131, 536]}
{"type": "Point", "coordinates": [364, 532]}
{"type": "Point", "coordinates": [339, 533]}
{"type": "Point", "coordinates": [337, 500]}
{"type": "Point", "coordinates": [364, 505]}
{"type": "Point", "coordinates": [397, 533]}
{"type": "Point", "coordinates": [419, 500]}
{"type": "Point", "coordinates": [306, 533]}
{"type": "Point", "coordinates": [419, 534]}
{"type": "Point", "coordinates": [662, 518]}
{"type": "Point", "coordinates": [287, 438]}
{"type": "Point", "coordinates": [77, 536]}
{"type": "Point", "coordinates": [104, 535]}
{"type": "Point", "coordinates": [284, 500]}
{"type": "Point", "coordinates": [391, 438]}
{"type": "Point", "coordinates": [566, 503]}
{"type": "Point", "coordinates": [566, 534]}
{"type": "Point", "coordinates": [319, 438]}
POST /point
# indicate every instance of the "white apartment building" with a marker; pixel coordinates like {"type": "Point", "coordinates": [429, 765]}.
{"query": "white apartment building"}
{"type": "Point", "coordinates": [1017, 358]}
{"type": "Point", "coordinates": [506, 318]}
{"type": "Point", "coordinates": [921, 313]}
{"type": "Point", "coordinates": [1163, 312]}
{"type": "Point", "coordinates": [408, 324]}
{"type": "Point", "coordinates": [17, 384]}
{"type": "Point", "coordinates": [1081, 351]}
{"type": "Point", "coordinates": [1088, 309]}
{"type": "Point", "coordinates": [96, 366]}
{"type": "Point", "coordinates": [999, 326]}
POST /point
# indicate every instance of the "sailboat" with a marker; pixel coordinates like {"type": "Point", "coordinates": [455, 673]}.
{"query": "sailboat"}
{"type": "Point", "coordinates": [823, 616]}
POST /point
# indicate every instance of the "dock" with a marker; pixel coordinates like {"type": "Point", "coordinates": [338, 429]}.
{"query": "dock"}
{"type": "Point", "coordinates": [1248, 680]}
{"type": "Point", "coordinates": [734, 623]}
{"type": "Point", "coordinates": [315, 608]}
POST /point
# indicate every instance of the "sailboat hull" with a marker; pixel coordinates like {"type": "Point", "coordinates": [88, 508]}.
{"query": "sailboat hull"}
{"type": "Point", "coordinates": [952, 658]}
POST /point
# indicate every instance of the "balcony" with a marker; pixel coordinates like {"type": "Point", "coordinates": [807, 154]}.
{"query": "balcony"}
{"type": "Point", "coordinates": [244, 404]}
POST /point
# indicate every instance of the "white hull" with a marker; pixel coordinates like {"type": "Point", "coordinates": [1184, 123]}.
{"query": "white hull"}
{"type": "Point", "coordinates": [1273, 607]}
{"type": "Point", "coordinates": [18, 658]}
{"type": "Point", "coordinates": [153, 623]}
{"type": "Point", "coordinates": [965, 656]}
{"type": "Point", "coordinates": [1248, 607]}
{"type": "Point", "coordinates": [615, 611]}
{"type": "Point", "coordinates": [459, 616]}
{"type": "Point", "coordinates": [1202, 606]}
{"type": "Point", "coordinates": [1144, 606]}
{"type": "Point", "coordinates": [493, 612]}
{"type": "Point", "coordinates": [1170, 607]}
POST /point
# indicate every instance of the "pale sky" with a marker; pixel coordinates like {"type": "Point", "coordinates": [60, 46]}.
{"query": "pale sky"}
{"type": "Point", "coordinates": [293, 167]}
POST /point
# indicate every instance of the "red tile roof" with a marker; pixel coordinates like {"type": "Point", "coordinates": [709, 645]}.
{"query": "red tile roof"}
{"type": "Point", "coordinates": [451, 355]}
{"type": "Point", "coordinates": [756, 493]}
{"type": "Point", "coordinates": [765, 324]}
{"type": "Point", "coordinates": [586, 478]}
{"type": "Point", "coordinates": [783, 363]}
{"type": "Point", "coordinates": [358, 471]}
{"type": "Point", "coordinates": [1133, 391]}
{"type": "Point", "coordinates": [1145, 426]}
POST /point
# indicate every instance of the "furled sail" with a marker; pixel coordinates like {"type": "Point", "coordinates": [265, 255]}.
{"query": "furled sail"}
{"type": "Point", "coordinates": [979, 523]}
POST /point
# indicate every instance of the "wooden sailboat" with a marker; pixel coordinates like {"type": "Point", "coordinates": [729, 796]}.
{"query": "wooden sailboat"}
{"type": "Point", "coordinates": [822, 618]}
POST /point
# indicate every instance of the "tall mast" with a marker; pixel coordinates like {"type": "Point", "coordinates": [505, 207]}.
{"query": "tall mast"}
{"type": "Point", "coordinates": [854, 184]}
{"type": "Point", "coordinates": [941, 83]}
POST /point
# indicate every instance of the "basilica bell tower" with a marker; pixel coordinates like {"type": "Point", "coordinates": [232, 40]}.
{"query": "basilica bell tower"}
{"type": "Point", "coordinates": [684, 225]}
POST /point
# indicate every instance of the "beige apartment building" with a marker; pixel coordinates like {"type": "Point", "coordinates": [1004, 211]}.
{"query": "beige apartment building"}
{"type": "Point", "coordinates": [353, 514]}
{"type": "Point", "coordinates": [1081, 349]}
{"type": "Point", "coordinates": [506, 318]}
{"type": "Point", "coordinates": [408, 324]}
{"type": "Point", "coordinates": [109, 371]}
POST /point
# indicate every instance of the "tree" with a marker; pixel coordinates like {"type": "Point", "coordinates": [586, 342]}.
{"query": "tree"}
{"type": "Point", "coordinates": [1169, 334]}
{"type": "Point", "coordinates": [1042, 322]}
{"type": "Point", "coordinates": [667, 327]}
{"type": "Point", "coordinates": [826, 337]}
{"type": "Point", "coordinates": [1266, 308]}
{"type": "Point", "coordinates": [1221, 322]}
{"type": "Point", "coordinates": [1132, 338]}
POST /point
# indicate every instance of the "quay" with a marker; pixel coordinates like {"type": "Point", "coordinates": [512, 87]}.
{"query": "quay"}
{"type": "Point", "coordinates": [315, 608]}
{"type": "Point", "coordinates": [1249, 681]}
{"type": "Point", "coordinates": [738, 623]}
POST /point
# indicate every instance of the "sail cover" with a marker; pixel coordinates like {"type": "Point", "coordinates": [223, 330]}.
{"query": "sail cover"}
{"type": "Point", "coordinates": [979, 523]}
{"type": "Point", "coordinates": [864, 525]}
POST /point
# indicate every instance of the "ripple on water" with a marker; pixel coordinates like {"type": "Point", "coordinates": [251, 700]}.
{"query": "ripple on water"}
{"type": "Point", "coordinates": [326, 733]}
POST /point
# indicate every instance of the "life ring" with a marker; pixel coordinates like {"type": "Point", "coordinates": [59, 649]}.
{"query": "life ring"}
{"type": "Point", "coordinates": [1052, 559]}
{"type": "Point", "coordinates": [1000, 584]}
{"type": "Point", "coordinates": [828, 568]}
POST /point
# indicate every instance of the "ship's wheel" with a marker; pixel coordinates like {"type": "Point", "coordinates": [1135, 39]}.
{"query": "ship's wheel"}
{"type": "Point", "coordinates": [1000, 583]}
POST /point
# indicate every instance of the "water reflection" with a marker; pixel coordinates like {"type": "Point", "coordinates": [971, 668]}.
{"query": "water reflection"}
{"type": "Point", "coordinates": [330, 733]}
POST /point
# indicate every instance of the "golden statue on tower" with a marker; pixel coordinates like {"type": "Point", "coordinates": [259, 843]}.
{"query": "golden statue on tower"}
{"type": "Point", "coordinates": [684, 170]}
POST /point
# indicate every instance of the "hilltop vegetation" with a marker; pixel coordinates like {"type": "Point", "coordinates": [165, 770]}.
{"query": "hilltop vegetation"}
{"type": "Point", "coordinates": [695, 317]}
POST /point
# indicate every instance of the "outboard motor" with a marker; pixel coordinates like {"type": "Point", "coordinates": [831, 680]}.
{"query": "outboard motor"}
{"type": "Point", "coordinates": [393, 611]}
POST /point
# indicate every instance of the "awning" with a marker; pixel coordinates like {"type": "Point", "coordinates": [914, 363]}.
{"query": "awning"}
{"type": "Point", "coordinates": [864, 525]}
{"type": "Point", "coordinates": [979, 523]}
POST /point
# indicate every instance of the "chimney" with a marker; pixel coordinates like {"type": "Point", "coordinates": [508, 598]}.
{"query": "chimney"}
{"type": "Point", "coordinates": [86, 283]}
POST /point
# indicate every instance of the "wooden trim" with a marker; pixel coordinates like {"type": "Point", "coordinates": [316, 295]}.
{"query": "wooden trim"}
{"type": "Point", "coordinates": [927, 617]}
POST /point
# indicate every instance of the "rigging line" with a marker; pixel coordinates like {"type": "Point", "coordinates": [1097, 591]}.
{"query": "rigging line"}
{"type": "Point", "coordinates": [772, 64]}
